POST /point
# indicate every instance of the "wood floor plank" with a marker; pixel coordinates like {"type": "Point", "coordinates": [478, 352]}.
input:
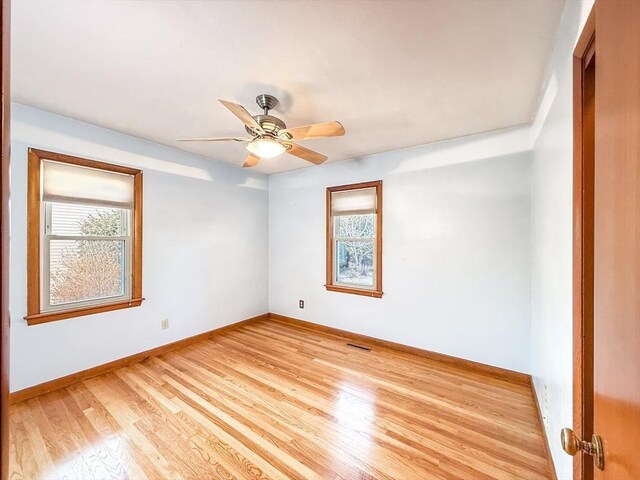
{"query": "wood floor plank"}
{"type": "Point", "coordinates": [272, 400]}
{"type": "Point", "coordinates": [400, 450]}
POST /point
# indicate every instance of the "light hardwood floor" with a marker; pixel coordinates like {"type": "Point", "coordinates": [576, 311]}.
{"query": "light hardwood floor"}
{"type": "Point", "coordinates": [272, 400]}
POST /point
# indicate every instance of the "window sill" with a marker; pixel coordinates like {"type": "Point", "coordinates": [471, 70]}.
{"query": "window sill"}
{"type": "Point", "coordinates": [46, 317]}
{"type": "Point", "coordinates": [354, 291]}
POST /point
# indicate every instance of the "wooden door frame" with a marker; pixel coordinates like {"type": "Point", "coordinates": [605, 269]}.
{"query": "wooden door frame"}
{"type": "Point", "coordinates": [583, 214]}
{"type": "Point", "coordinates": [4, 241]}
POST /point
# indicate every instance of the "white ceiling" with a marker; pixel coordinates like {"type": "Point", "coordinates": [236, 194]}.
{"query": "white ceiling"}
{"type": "Point", "coordinates": [395, 73]}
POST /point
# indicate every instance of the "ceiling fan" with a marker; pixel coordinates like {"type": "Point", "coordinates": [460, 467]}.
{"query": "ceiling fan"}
{"type": "Point", "coordinates": [270, 136]}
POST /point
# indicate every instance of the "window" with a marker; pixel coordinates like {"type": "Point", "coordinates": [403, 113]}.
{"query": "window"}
{"type": "Point", "coordinates": [354, 239]}
{"type": "Point", "coordinates": [84, 237]}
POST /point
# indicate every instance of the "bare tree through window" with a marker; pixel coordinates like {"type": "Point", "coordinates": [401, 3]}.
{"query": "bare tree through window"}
{"type": "Point", "coordinates": [86, 269]}
{"type": "Point", "coordinates": [355, 242]}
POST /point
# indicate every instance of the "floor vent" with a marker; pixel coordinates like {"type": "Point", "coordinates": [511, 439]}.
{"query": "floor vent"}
{"type": "Point", "coordinates": [358, 346]}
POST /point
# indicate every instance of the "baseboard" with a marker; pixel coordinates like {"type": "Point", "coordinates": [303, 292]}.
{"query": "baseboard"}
{"type": "Point", "coordinates": [496, 372]}
{"type": "Point", "coordinates": [62, 382]}
{"type": "Point", "coordinates": [65, 381]}
{"type": "Point", "coordinates": [547, 448]}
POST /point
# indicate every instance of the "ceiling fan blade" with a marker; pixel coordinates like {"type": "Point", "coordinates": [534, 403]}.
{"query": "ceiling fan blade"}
{"type": "Point", "coordinates": [305, 153]}
{"type": "Point", "coordinates": [215, 139]}
{"type": "Point", "coordinates": [317, 130]}
{"type": "Point", "coordinates": [251, 161]}
{"type": "Point", "coordinates": [241, 112]}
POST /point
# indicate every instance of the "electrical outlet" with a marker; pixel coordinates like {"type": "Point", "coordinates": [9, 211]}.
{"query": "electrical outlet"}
{"type": "Point", "coordinates": [164, 324]}
{"type": "Point", "coordinates": [301, 303]}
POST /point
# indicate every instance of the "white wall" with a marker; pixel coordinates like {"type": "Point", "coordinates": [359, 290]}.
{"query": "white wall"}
{"type": "Point", "coordinates": [204, 250]}
{"type": "Point", "coordinates": [456, 248]}
{"type": "Point", "coordinates": [552, 185]}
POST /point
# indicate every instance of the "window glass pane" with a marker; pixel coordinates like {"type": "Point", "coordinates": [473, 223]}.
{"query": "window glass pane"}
{"type": "Point", "coordinates": [356, 226]}
{"type": "Point", "coordinates": [68, 219]}
{"type": "Point", "coordinates": [354, 262]}
{"type": "Point", "coordinates": [86, 270]}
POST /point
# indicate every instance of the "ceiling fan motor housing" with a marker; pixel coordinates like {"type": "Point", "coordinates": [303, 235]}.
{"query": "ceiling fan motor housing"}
{"type": "Point", "coordinates": [270, 124]}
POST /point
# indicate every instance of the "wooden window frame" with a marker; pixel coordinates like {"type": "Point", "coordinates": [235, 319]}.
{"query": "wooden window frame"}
{"type": "Point", "coordinates": [35, 315]}
{"type": "Point", "coordinates": [377, 292]}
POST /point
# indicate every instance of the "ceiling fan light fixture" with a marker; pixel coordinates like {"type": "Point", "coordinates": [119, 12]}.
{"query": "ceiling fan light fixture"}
{"type": "Point", "coordinates": [266, 147]}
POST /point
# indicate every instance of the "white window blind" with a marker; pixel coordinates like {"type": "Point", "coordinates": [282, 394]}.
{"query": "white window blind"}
{"type": "Point", "coordinates": [66, 183]}
{"type": "Point", "coordinates": [360, 201]}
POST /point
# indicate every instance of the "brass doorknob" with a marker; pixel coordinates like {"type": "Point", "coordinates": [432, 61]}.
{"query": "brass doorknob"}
{"type": "Point", "coordinates": [572, 445]}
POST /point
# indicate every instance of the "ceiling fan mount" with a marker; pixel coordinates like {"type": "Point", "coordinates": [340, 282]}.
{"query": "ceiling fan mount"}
{"type": "Point", "coordinates": [267, 102]}
{"type": "Point", "coordinates": [270, 136]}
